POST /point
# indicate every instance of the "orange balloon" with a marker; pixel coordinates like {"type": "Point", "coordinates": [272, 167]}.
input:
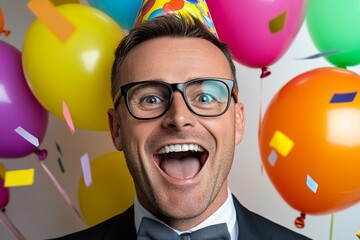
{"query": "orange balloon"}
{"type": "Point", "coordinates": [310, 141]}
{"type": "Point", "coordinates": [2, 24]}
{"type": "Point", "coordinates": [1, 20]}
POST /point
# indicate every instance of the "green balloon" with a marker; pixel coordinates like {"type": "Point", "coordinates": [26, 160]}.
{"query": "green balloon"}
{"type": "Point", "coordinates": [335, 25]}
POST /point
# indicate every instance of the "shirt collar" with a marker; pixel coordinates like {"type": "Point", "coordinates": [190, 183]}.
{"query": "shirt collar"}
{"type": "Point", "coordinates": [225, 214]}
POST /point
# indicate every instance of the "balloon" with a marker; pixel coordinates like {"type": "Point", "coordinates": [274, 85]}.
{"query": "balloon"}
{"type": "Point", "coordinates": [111, 192]}
{"type": "Point", "coordinates": [60, 2]}
{"type": "Point", "coordinates": [18, 106]}
{"type": "Point", "coordinates": [198, 8]}
{"type": "Point", "coordinates": [2, 24]}
{"type": "Point", "coordinates": [122, 11]}
{"type": "Point", "coordinates": [4, 194]}
{"type": "Point", "coordinates": [258, 32]}
{"type": "Point", "coordinates": [310, 141]}
{"type": "Point", "coordinates": [332, 26]}
{"type": "Point", "coordinates": [77, 71]}
{"type": "Point", "coordinates": [4, 191]}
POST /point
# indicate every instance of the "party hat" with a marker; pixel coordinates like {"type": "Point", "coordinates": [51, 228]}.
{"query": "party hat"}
{"type": "Point", "coordinates": [198, 8]}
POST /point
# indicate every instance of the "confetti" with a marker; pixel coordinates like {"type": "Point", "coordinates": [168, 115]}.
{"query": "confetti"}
{"type": "Point", "coordinates": [17, 178]}
{"type": "Point", "coordinates": [272, 158]}
{"type": "Point", "coordinates": [343, 97]}
{"type": "Point", "coordinates": [61, 165]}
{"type": "Point", "coordinates": [311, 184]}
{"type": "Point", "coordinates": [277, 24]}
{"type": "Point", "coordinates": [27, 136]}
{"type": "Point", "coordinates": [281, 143]}
{"type": "Point", "coordinates": [319, 55]}
{"type": "Point", "coordinates": [3, 95]}
{"type": "Point", "coordinates": [85, 165]}
{"type": "Point", "coordinates": [68, 118]}
{"type": "Point", "coordinates": [358, 234]}
{"type": "Point", "coordinates": [52, 18]}
{"type": "Point", "coordinates": [58, 148]}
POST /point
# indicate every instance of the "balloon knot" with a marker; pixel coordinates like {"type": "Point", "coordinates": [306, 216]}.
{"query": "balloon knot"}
{"type": "Point", "coordinates": [264, 72]}
{"type": "Point", "coordinates": [6, 32]}
{"type": "Point", "coordinates": [41, 153]}
{"type": "Point", "coordinates": [300, 221]}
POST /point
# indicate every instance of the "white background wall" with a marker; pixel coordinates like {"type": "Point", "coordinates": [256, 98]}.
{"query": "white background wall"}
{"type": "Point", "coordinates": [39, 211]}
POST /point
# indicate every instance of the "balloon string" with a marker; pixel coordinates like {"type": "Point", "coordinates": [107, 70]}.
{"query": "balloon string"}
{"type": "Point", "coordinates": [7, 222]}
{"type": "Point", "coordinates": [260, 121]}
{"type": "Point", "coordinates": [61, 190]}
{"type": "Point", "coordinates": [331, 226]}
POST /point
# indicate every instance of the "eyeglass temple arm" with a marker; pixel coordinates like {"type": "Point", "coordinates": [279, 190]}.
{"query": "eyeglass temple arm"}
{"type": "Point", "coordinates": [117, 98]}
{"type": "Point", "coordinates": [235, 94]}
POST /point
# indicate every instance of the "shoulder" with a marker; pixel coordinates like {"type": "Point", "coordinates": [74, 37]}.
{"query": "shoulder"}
{"type": "Point", "coordinates": [254, 226]}
{"type": "Point", "coordinates": [121, 225]}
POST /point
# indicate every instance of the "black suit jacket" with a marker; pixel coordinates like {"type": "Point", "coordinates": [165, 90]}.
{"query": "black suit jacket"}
{"type": "Point", "coordinates": [251, 227]}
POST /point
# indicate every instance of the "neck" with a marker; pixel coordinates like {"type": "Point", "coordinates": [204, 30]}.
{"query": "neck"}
{"type": "Point", "coordinates": [185, 224]}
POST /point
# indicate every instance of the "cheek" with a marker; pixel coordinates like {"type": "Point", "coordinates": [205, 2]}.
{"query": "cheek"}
{"type": "Point", "coordinates": [222, 128]}
{"type": "Point", "coordinates": [139, 132]}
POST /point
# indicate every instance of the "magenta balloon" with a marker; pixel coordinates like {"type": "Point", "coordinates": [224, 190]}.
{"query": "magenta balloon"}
{"type": "Point", "coordinates": [245, 26]}
{"type": "Point", "coordinates": [4, 194]}
{"type": "Point", "coordinates": [18, 106]}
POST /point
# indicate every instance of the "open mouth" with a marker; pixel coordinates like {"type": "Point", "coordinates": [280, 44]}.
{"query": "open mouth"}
{"type": "Point", "coordinates": [181, 161]}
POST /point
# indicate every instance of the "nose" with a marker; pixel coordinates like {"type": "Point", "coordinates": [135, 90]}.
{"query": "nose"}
{"type": "Point", "coordinates": [179, 117]}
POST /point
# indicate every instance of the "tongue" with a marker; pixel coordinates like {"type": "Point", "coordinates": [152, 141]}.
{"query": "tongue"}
{"type": "Point", "coordinates": [181, 168]}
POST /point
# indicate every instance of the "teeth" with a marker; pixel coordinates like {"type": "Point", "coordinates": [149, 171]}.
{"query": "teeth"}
{"type": "Point", "coordinates": [181, 148]}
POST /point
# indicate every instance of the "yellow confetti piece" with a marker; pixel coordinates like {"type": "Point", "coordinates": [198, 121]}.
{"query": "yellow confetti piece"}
{"type": "Point", "coordinates": [17, 178]}
{"type": "Point", "coordinates": [281, 143]}
{"type": "Point", "coordinates": [358, 234]}
{"type": "Point", "coordinates": [2, 170]}
{"type": "Point", "coordinates": [277, 24]}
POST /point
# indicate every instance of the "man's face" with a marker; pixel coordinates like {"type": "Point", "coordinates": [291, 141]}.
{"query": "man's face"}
{"type": "Point", "coordinates": [183, 185]}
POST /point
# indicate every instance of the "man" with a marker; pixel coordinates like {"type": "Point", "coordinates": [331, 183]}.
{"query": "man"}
{"type": "Point", "coordinates": [177, 119]}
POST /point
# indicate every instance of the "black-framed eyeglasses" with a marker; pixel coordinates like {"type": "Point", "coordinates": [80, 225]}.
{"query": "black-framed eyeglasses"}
{"type": "Point", "coordinates": [206, 97]}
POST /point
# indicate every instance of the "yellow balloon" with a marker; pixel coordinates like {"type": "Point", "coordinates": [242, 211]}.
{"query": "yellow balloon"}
{"type": "Point", "coordinates": [111, 192]}
{"type": "Point", "coordinates": [59, 2]}
{"type": "Point", "coordinates": [77, 71]}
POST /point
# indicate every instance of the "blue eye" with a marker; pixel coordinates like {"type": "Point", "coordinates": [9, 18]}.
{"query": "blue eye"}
{"type": "Point", "coordinates": [151, 100]}
{"type": "Point", "coordinates": [205, 98]}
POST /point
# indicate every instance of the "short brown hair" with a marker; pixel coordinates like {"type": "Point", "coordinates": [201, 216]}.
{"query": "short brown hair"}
{"type": "Point", "coordinates": [164, 26]}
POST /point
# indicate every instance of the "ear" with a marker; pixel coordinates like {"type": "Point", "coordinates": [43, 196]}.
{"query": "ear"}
{"type": "Point", "coordinates": [114, 125]}
{"type": "Point", "coordinates": [239, 122]}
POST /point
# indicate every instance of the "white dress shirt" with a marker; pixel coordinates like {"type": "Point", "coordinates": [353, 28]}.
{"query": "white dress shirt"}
{"type": "Point", "coordinates": [225, 214]}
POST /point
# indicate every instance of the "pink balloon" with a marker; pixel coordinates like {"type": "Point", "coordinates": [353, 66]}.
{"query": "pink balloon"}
{"type": "Point", "coordinates": [258, 32]}
{"type": "Point", "coordinates": [4, 194]}
{"type": "Point", "coordinates": [18, 106]}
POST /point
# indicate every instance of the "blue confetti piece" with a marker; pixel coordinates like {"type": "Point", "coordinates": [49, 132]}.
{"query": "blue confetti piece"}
{"type": "Point", "coordinates": [343, 97]}
{"type": "Point", "coordinates": [311, 184]}
{"type": "Point", "coordinates": [272, 158]}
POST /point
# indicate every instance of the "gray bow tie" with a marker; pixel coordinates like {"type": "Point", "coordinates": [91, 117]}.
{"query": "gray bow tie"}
{"type": "Point", "coordinates": [154, 230]}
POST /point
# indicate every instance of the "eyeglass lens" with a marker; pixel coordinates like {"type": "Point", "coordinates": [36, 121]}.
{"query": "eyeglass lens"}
{"type": "Point", "coordinates": [204, 97]}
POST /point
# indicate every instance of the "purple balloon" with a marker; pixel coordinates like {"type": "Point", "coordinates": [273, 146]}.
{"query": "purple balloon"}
{"type": "Point", "coordinates": [18, 106]}
{"type": "Point", "coordinates": [4, 194]}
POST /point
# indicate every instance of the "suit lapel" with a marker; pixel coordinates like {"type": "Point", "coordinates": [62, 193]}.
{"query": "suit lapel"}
{"type": "Point", "coordinates": [123, 226]}
{"type": "Point", "coordinates": [249, 224]}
